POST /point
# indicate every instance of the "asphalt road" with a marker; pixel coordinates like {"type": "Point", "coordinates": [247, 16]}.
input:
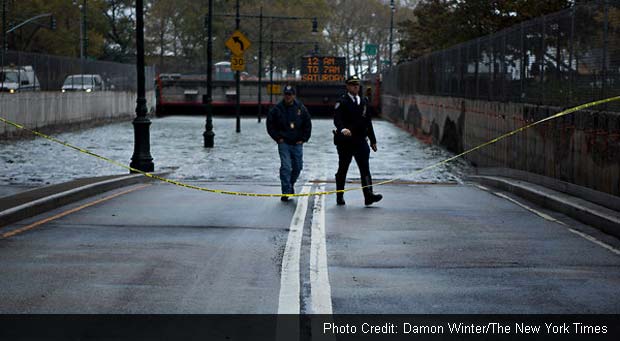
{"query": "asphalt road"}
{"type": "Point", "coordinates": [443, 248]}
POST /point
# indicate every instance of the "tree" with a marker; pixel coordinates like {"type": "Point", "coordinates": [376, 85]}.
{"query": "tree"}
{"type": "Point", "coordinates": [354, 24]}
{"type": "Point", "coordinates": [65, 40]}
{"type": "Point", "coordinates": [120, 33]}
{"type": "Point", "coordinates": [439, 24]}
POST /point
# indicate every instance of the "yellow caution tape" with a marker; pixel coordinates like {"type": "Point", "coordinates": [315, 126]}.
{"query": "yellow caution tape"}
{"type": "Point", "coordinates": [247, 194]}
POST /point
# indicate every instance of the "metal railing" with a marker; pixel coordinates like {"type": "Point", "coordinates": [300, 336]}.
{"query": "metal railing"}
{"type": "Point", "coordinates": [52, 71]}
{"type": "Point", "coordinates": [562, 59]}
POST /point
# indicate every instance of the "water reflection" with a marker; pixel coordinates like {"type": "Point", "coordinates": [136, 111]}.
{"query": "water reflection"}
{"type": "Point", "coordinates": [176, 145]}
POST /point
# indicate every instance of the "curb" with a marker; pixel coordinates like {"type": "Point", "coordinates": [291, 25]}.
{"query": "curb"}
{"type": "Point", "coordinates": [53, 201]}
{"type": "Point", "coordinates": [597, 216]}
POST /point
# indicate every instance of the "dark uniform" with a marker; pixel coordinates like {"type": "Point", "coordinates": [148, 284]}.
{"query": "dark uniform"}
{"type": "Point", "coordinates": [288, 123]}
{"type": "Point", "coordinates": [354, 116]}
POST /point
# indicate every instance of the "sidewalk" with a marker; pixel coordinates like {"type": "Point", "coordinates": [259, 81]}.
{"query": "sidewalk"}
{"type": "Point", "coordinates": [29, 203]}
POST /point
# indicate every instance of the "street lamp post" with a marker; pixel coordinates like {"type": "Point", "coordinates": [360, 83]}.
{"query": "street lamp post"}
{"type": "Point", "coordinates": [141, 158]}
{"type": "Point", "coordinates": [207, 99]}
{"type": "Point", "coordinates": [392, 9]}
{"type": "Point", "coordinates": [237, 82]}
{"type": "Point", "coordinates": [83, 29]}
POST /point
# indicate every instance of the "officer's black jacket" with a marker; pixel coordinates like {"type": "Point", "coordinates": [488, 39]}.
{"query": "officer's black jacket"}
{"type": "Point", "coordinates": [291, 123]}
{"type": "Point", "coordinates": [354, 117]}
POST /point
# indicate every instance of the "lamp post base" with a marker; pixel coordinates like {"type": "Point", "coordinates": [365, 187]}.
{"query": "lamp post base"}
{"type": "Point", "coordinates": [141, 158]}
{"type": "Point", "coordinates": [208, 139]}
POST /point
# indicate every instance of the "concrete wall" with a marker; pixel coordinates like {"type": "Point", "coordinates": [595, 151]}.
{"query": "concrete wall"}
{"type": "Point", "coordinates": [44, 110]}
{"type": "Point", "coordinates": [582, 148]}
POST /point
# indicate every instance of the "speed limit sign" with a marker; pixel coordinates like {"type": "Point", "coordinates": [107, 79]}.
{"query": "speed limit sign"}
{"type": "Point", "coordinates": [237, 63]}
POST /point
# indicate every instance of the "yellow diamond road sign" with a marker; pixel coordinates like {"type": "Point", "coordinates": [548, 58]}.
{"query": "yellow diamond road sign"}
{"type": "Point", "coordinates": [238, 43]}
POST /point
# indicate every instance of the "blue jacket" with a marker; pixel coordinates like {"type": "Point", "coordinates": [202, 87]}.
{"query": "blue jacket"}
{"type": "Point", "coordinates": [289, 122]}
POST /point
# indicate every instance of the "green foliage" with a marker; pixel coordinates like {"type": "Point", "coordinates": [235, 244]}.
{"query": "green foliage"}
{"type": "Point", "coordinates": [439, 24]}
{"type": "Point", "coordinates": [175, 36]}
{"type": "Point", "coordinates": [65, 40]}
{"type": "Point", "coordinates": [119, 33]}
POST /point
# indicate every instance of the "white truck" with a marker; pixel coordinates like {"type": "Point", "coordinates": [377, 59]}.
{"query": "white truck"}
{"type": "Point", "coordinates": [18, 78]}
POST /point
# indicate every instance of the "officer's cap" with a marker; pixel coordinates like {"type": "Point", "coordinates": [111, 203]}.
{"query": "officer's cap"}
{"type": "Point", "coordinates": [289, 90]}
{"type": "Point", "coordinates": [353, 80]}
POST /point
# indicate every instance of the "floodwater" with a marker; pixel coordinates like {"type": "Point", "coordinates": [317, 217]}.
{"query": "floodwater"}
{"type": "Point", "coordinates": [177, 146]}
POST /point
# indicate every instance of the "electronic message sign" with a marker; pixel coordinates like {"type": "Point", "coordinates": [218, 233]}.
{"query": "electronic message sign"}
{"type": "Point", "coordinates": [323, 69]}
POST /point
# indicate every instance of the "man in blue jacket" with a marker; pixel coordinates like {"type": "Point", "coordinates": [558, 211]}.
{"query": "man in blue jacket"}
{"type": "Point", "coordinates": [288, 123]}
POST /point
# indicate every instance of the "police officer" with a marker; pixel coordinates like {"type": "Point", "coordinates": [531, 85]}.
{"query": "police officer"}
{"type": "Point", "coordinates": [353, 129]}
{"type": "Point", "coordinates": [288, 123]}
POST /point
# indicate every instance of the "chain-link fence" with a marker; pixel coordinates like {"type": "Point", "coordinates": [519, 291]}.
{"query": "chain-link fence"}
{"type": "Point", "coordinates": [563, 59]}
{"type": "Point", "coordinates": [53, 72]}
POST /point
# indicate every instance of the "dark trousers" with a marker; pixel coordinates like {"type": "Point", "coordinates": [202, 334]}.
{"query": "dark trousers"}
{"type": "Point", "coordinates": [346, 152]}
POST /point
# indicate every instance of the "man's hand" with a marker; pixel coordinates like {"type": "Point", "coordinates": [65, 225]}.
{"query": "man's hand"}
{"type": "Point", "coordinates": [346, 132]}
{"type": "Point", "coordinates": [300, 142]}
{"type": "Point", "coordinates": [374, 147]}
{"type": "Point", "coordinates": [280, 141]}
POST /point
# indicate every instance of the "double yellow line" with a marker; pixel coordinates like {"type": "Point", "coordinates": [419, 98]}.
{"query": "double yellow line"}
{"type": "Point", "coordinates": [247, 194]}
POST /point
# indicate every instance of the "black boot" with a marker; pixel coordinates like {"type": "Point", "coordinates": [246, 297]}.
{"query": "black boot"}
{"type": "Point", "coordinates": [340, 186]}
{"type": "Point", "coordinates": [369, 196]}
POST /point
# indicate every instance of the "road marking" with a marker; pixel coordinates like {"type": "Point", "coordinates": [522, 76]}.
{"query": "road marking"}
{"type": "Point", "coordinates": [482, 188]}
{"type": "Point", "coordinates": [595, 241]}
{"type": "Point", "coordinates": [289, 281]}
{"type": "Point", "coordinates": [65, 213]}
{"type": "Point", "coordinates": [543, 215]}
{"type": "Point", "coordinates": [546, 216]}
{"type": "Point", "coordinates": [320, 289]}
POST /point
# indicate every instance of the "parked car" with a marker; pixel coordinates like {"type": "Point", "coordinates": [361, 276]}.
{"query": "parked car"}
{"type": "Point", "coordinates": [18, 78]}
{"type": "Point", "coordinates": [86, 83]}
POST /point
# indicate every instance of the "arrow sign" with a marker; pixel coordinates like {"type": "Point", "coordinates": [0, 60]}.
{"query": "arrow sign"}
{"type": "Point", "coordinates": [238, 43]}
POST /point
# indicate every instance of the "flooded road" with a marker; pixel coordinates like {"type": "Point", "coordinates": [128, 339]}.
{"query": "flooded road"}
{"type": "Point", "coordinates": [177, 145]}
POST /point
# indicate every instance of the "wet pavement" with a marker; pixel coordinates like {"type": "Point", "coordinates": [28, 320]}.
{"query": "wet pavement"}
{"type": "Point", "coordinates": [177, 144]}
{"type": "Point", "coordinates": [160, 248]}
{"type": "Point", "coordinates": [446, 247]}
